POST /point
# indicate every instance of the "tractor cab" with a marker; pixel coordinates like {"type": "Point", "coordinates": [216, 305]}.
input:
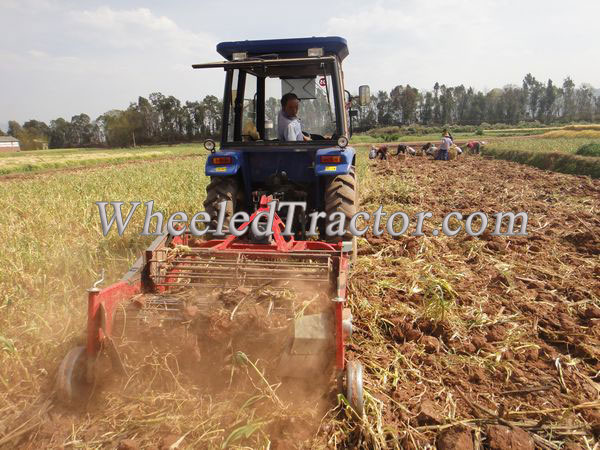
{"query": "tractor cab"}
{"type": "Point", "coordinates": [254, 157]}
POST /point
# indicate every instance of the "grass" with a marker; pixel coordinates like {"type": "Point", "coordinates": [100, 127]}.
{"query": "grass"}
{"type": "Point", "coordinates": [565, 133]}
{"type": "Point", "coordinates": [556, 154]}
{"type": "Point", "coordinates": [39, 160]}
{"type": "Point", "coordinates": [53, 249]}
{"type": "Point", "coordinates": [592, 149]}
{"type": "Point", "coordinates": [541, 144]}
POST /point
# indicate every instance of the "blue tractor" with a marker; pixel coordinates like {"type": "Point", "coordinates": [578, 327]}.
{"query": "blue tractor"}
{"type": "Point", "coordinates": [254, 160]}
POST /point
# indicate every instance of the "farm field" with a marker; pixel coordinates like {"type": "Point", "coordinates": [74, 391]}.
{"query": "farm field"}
{"type": "Point", "coordinates": [542, 144]}
{"type": "Point", "coordinates": [462, 338]}
{"type": "Point", "coordinates": [40, 160]}
{"type": "Point", "coordinates": [557, 154]}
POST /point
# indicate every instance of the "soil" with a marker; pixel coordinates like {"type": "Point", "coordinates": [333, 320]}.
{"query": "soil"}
{"type": "Point", "coordinates": [513, 361]}
{"type": "Point", "coordinates": [519, 348]}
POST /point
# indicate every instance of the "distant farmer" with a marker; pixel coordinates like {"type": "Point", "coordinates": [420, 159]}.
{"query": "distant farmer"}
{"type": "Point", "coordinates": [401, 150]}
{"type": "Point", "coordinates": [445, 131]}
{"type": "Point", "coordinates": [445, 145]}
{"type": "Point", "coordinates": [426, 147]}
{"type": "Point", "coordinates": [373, 152]}
{"type": "Point", "coordinates": [381, 152]}
{"type": "Point", "coordinates": [288, 125]}
{"type": "Point", "coordinates": [475, 147]}
{"type": "Point", "coordinates": [429, 149]}
{"type": "Point", "coordinates": [405, 150]}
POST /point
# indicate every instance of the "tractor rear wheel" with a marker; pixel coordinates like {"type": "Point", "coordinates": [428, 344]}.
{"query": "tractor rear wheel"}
{"type": "Point", "coordinates": [341, 195]}
{"type": "Point", "coordinates": [221, 189]}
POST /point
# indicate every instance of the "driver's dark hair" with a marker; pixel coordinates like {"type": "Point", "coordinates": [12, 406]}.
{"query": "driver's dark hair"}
{"type": "Point", "coordinates": [287, 97]}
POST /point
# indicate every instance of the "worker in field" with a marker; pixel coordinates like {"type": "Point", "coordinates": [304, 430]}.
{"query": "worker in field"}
{"type": "Point", "coordinates": [405, 150]}
{"type": "Point", "coordinates": [475, 147]}
{"type": "Point", "coordinates": [288, 124]}
{"type": "Point", "coordinates": [428, 149]}
{"type": "Point", "coordinates": [445, 131]}
{"type": "Point", "coordinates": [445, 145]}
{"type": "Point", "coordinates": [373, 152]}
{"type": "Point", "coordinates": [378, 152]}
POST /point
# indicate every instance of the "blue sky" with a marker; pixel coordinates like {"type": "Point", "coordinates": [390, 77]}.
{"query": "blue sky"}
{"type": "Point", "coordinates": [61, 58]}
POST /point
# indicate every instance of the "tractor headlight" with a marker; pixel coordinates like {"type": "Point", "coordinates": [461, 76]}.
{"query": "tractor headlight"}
{"type": "Point", "coordinates": [209, 145]}
{"type": "Point", "coordinates": [239, 56]}
{"type": "Point", "coordinates": [315, 52]}
{"type": "Point", "coordinates": [342, 141]}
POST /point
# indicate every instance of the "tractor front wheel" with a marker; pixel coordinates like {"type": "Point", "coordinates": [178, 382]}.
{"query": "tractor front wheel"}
{"type": "Point", "coordinates": [221, 189]}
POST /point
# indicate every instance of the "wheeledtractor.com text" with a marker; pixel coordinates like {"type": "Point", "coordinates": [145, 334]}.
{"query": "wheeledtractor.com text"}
{"type": "Point", "coordinates": [337, 224]}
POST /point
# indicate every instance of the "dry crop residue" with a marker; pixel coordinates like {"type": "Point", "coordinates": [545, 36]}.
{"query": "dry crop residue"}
{"type": "Point", "coordinates": [467, 342]}
{"type": "Point", "coordinates": [471, 341]}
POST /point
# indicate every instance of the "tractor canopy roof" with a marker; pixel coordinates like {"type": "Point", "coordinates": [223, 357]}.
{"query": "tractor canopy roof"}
{"type": "Point", "coordinates": [288, 48]}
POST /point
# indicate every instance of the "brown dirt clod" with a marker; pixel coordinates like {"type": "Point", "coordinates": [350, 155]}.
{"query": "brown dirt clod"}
{"type": "Point", "coordinates": [429, 414]}
{"type": "Point", "coordinates": [455, 439]}
{"type": "Point", "coordinates": [128, 444]}
{"type": "Point", "coordinates": [500, 437]}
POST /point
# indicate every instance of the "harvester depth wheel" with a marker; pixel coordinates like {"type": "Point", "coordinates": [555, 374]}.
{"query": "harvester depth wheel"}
{"type": "Point", "coordinates": [354, 386]}
{"type": "Point", "coordinates": [341, 195]}
{"type": "Point", "coordinates": [221, 189]}
{"type": "Point", "coordinates": [71, 383]}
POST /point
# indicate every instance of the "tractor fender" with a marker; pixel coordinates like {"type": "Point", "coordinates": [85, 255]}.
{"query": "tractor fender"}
{"type": "Point", "coordinates": [328, 168]}
{"type": "Point", "coordinates": [214, 167]}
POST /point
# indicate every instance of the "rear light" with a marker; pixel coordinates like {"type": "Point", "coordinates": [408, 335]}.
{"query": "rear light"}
{"type": "Point", "coordinates": [331, 159]}
{"type": "Point", "coordinates": [222, 160]}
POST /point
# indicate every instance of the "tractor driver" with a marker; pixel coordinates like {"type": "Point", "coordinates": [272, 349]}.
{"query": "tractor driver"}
{"type": "Point", "coordinates": [288, 123]}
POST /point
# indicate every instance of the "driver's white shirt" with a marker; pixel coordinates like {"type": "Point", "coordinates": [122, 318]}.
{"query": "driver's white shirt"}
{"type": "Point", "coordinates": [288, 129]}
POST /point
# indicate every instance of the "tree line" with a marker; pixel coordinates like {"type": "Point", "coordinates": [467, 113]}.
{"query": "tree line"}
{"type": "Point", "coordinates": [153, 120]}
{"type": "Point", "coordinates": [165, 119]}
{"type": "Point", "coordinates": [533, 101]}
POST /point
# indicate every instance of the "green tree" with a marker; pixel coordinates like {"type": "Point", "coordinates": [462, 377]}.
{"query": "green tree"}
{"type": "Point", "coordinates": [437, 109]}
{"type": "Point", "coordinates": [446, 104]}
{"type": "Point", "coordinates": [59, 133]}
{"type": "Point", "coordinates": [569, 100]}
{"type": "Point", "coordinates": [384, 113]}
{"type": "Point", "coordinates": [585, 103]}
{"type": "Point", "coordinates": [408, 103]}
{"type": "Point", "coordinates": [426, 114]}
{"type": "Point", "coordinates": [533, 90]}
{"type": "Point", "coordinates": [14, 128]}
{"type": "Point", "coordinates": [548, 102]}
{"type": "Point", "coordinates": [80, 130]}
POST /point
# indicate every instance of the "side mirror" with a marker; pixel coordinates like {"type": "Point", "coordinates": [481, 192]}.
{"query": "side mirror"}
{"type": "Point", "coordinates": [364, 95]}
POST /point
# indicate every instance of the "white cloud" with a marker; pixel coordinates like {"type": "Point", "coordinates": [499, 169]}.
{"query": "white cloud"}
{"type": "Point", "coordinates": [141, 29]}
{"type": "Point", "coordinates": [63, 57]}
{"type": "Point", "coordinates": [29, 6]}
